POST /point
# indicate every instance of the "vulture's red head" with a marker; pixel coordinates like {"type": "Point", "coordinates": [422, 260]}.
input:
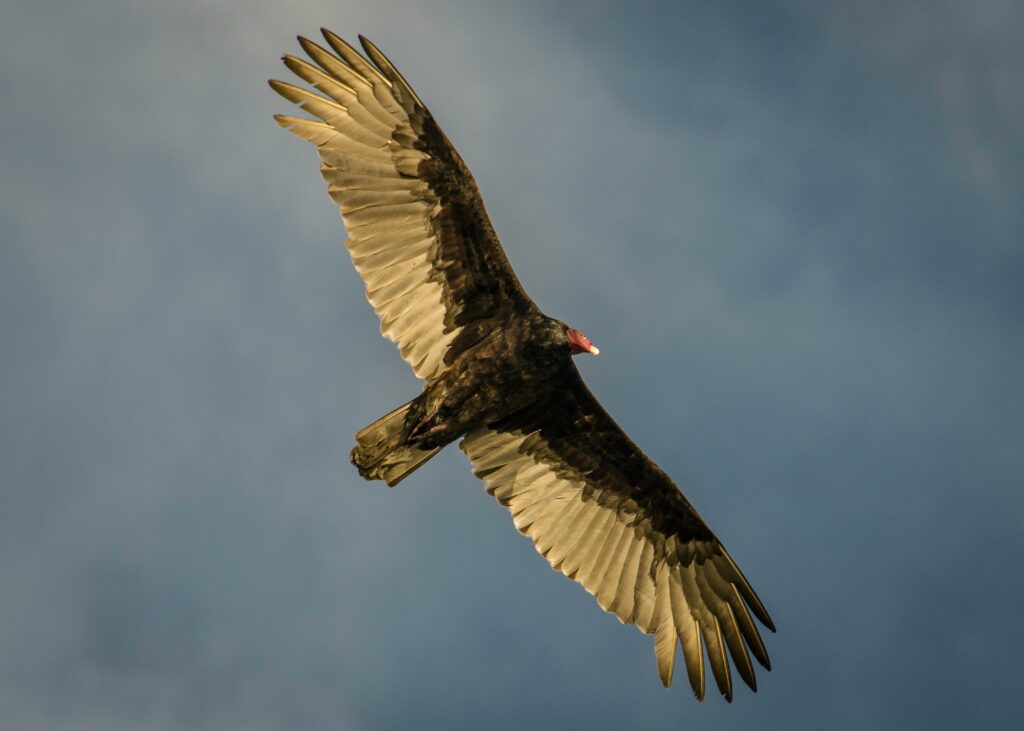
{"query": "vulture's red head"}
{"type": "Point", "coordinates": [580, 343]}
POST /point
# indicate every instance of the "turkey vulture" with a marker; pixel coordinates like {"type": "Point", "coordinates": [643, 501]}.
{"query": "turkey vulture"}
{"type": "Point", "coordinates": [499, 374]}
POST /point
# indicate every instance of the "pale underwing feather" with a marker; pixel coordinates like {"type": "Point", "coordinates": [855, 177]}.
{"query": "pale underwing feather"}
{"type": "Point", "coordinates": [665, 637]}
{"type": "Point", "coordinates": [355, 135]}
{"type": "Point", "coordinates": [353, 79]}
{"type": "Point", "coordinates": [343, 94]}
{"type": "Point", "coordinates": [381, 86]}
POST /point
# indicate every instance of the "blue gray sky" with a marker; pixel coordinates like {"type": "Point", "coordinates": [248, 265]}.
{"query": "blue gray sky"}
{"type": "Point", "coordinates": [793, 228]}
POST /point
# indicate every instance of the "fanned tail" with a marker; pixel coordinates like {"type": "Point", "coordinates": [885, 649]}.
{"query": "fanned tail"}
{"type": "Point", "coordinates": [383, 450]}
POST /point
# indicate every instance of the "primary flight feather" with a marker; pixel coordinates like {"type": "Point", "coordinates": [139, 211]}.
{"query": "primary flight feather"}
{"type": "Point", "coordinates": [499, 375]}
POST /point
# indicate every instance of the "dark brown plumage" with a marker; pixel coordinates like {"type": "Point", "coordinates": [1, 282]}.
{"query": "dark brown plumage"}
{"type": "Point", "coordinates": [499, 375]}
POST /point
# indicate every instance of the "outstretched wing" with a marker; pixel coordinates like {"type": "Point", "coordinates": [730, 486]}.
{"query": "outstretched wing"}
{"type": "Point", "coordinates": [419, 234]}
{"type": "Point", "coordinates": [606, 516]}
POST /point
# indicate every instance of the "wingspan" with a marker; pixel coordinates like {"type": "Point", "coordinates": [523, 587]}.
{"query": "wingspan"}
{"type": "Point", "coordinates": [419, 234]}
{"type": "Point", "coordinates": [606, 516]}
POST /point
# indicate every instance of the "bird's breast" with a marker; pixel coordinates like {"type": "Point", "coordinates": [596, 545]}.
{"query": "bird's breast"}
{"type": "Point", "coordinates": [489, 384]}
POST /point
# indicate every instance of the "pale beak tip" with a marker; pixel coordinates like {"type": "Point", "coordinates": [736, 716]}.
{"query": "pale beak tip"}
{"type": "Point", "coordinates": [594, 350]}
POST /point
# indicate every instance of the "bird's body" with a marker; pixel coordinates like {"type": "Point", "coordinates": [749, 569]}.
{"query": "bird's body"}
{"type": "Point", "coordinates": [499, 375]}
{"type": "Point", "coordinates": [509, 368]}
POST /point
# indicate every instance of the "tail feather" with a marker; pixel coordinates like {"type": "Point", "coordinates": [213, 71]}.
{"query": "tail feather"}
{"type": "Point", "coordinates": [382, 450]}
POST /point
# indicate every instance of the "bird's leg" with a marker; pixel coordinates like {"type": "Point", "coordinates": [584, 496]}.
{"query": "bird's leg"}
{"type": "Point", "coordinates": [428, 435]}
{"type": "Point", "coordinates": [434, 429]}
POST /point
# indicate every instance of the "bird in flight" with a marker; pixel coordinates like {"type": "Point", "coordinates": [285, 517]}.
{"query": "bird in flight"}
{"type": "Point", "coordinates": [499, 374]}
